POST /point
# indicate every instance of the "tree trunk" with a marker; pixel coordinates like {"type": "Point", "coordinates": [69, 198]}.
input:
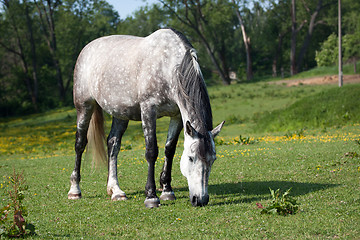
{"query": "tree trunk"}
{"type": "Point", "coordinates": [32, 90]}
{"type": "Point", "coordinates": [354, 65]}
{"type": "Point", "coordinates": [225, 80]}
{"type": "Point", "coordinates": [48, 24]}
{"type": "Point", "coordinates": [277, 54]}
{"type": "Point", "coordinates": [246, 39]}
{"type": "Point", "coordinates": [293, 68]}
{"type": "Point", "coordinates": [307, 39]}
{"type": "Point", "coordinates": [33, 53]}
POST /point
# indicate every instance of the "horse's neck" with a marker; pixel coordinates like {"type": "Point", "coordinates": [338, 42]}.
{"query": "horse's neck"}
{"type": "Point", "coordinates": [196, 121]}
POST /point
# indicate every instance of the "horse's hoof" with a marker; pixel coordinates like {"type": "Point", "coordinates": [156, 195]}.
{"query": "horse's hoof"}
{"type": "Point", "coordinates": [119, 198]}
{"type": "Point", "coordinates": [152, 202]}
{"type": "Point", "coordinates": [74, 196]}
{"type": "Point", "coordinates": [167, 196]}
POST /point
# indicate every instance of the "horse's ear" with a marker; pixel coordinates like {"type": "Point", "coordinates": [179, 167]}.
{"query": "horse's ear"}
{"type": "Point", "coordinates": [190, 130]}
{"type": "Point", "coordinates": [216, 130]}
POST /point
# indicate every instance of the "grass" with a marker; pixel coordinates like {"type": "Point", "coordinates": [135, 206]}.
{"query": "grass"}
{"type": "Point", "coordinates": [325, 70]}
{"type": "Point", "coordinates": [316, 164]}
{"type": "Point", "coordinates": [333, 107]}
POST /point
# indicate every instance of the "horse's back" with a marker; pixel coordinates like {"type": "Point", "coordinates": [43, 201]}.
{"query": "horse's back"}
{"type": "Point", "coordinates": [120, 72]}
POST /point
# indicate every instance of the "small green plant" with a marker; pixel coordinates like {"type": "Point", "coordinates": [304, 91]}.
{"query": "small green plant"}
{"type": "Point", "coordinates": [127, 147]}
{"type": "Point", "coordinates": [245, 140]}
{"type": "Point", "coordinates": [280, 204]}
{"type": "Point", "coordinates": [295, 134]}
{"type": "Point", "coordinates": [357, 142]}
{"type": "Point", "coordinates": [219, 141]}
{"type": "Point", "coordinates": [352, 155]}
{"type": "Point", "coordinates": [12, 221]}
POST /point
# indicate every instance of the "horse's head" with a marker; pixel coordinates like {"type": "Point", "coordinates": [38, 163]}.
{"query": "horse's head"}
{"type": "Point", "coordinates": [196, 161]}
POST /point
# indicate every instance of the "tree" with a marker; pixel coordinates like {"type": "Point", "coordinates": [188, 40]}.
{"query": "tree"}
{"type": "Point", "coordinates": [247, 43]}
{"type": "Point", "coordinates": [294, 31]}
{"type": "Point", "coordinates": [196, 17]}
{"type": "Point", "coordinates": [351, 44]}
{"type": "Point", "coordinates": [46, 9]}
{"type": "Point", "coordinates": [276, 22]}
{"type": "Point", "coordinates": [14, 41]}
{"type": "Point", "coordinates": [35, 48]}
{"type": "Point", "coordinates": [328, 54]}
{"type": "Point", "coordinates": [81, 22]}
{"type": "Point", "coordinates": [312, 23]}
{"type": "Point", "coordinates": [144, 21]}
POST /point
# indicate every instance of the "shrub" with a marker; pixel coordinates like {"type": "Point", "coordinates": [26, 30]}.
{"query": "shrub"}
{"type": "Point", "coordinates": [328, 55]}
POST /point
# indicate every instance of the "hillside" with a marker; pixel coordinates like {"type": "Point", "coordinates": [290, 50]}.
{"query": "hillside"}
{"type": "Point", "coordinates": [333, 107]}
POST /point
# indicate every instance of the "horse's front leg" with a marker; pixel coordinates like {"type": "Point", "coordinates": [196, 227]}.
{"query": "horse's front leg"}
{"type": "Point", "coordinates": [170, 147]}
{"type": "Point", "coordinates": [118, 128]}
{"type": "Point", "coordinates": [148, 117]}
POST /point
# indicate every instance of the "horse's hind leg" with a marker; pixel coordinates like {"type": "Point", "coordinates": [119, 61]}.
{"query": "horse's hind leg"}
{"type": "Point", "coordinates": [83, 119]}
{"type": "Point", "coordinates": [114, 142]}
{"type": "Point", "coordinates": [170, 147]}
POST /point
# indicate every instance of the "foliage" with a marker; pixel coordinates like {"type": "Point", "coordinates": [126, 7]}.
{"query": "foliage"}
{"type": "Point", "coordinates": [328, 54]}
{"type": "Point", "coordinates": [351, 46]}
{"type": "Point", "coordinates": [37, 58]}
{"type": "Point", "coordinates": [12, 221]}
{"type": "Point", "coordinates": [280, 204]}
{"type": "Point", "coordinates": [144, 21]}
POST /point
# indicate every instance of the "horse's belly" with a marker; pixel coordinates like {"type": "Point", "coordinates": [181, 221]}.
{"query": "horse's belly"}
{"type": "Point", "coordinates": [133, 111]}
{"type": "Point", "coordinates": [122, 111]}
{"type": "Point", "coordinates": [169, 110]}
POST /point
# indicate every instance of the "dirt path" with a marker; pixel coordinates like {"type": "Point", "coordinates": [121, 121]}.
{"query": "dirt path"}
{"type": "Point", "coordinates": [319, 80]}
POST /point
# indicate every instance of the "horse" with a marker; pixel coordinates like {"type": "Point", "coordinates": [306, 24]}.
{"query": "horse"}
{"type": "Point", "coordinates": [143, 79]}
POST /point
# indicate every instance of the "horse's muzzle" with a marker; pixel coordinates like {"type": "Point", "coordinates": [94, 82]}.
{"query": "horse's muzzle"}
{"type": "Point", "coordinates": [197, 201]}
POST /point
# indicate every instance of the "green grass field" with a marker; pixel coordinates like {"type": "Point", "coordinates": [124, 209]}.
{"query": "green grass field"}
{"type": "Point", "coordinates": [317, 161]}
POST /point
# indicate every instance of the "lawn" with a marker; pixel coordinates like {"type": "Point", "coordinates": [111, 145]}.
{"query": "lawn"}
{"type": "Point", "coordinates": [319, 164]}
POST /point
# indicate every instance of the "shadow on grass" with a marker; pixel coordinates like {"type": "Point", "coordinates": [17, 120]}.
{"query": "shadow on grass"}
{"type": "Point", "coordinates": [255, 191]}
{"type": "Point", "coordinates": [240, 192]}
{"type": "Point", "coordinates": [246, 192]}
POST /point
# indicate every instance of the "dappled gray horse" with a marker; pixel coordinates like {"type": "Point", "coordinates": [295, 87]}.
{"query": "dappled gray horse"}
{"type": "Point", "coordinates": [142, 79]}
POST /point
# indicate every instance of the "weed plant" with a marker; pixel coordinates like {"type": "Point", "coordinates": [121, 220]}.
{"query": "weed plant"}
{"type": "Point", "coordinates": [12, 221]}
{"type": "Point", "coordinates": [281, 204]}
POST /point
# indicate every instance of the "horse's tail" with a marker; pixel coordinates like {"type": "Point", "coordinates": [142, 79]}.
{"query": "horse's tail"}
{"type": "Point", "coordinates": [96, 137]}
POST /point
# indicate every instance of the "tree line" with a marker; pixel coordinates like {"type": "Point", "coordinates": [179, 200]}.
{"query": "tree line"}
{"type": "Point", "coordinates": [41, 39]}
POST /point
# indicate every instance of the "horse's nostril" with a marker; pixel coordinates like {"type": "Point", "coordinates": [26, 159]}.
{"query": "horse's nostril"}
{"type": "Point", "coordinates": [194, 201]}
{"type": "Point", "coordinates": [199, 202]}
{"type": "Point", "coordinates": [206, 200]}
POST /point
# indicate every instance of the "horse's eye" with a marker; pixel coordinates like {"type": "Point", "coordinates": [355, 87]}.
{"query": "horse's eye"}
{"type": "Point", "coordinates": [191, 159]}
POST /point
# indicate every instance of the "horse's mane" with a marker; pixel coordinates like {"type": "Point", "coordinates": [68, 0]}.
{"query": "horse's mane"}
{"type": "Point", "coordinates": [193, 93]}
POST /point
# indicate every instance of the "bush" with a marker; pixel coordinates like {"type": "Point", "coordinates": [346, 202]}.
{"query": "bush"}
{"type": "Point", "coordinates": [328, 55]}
